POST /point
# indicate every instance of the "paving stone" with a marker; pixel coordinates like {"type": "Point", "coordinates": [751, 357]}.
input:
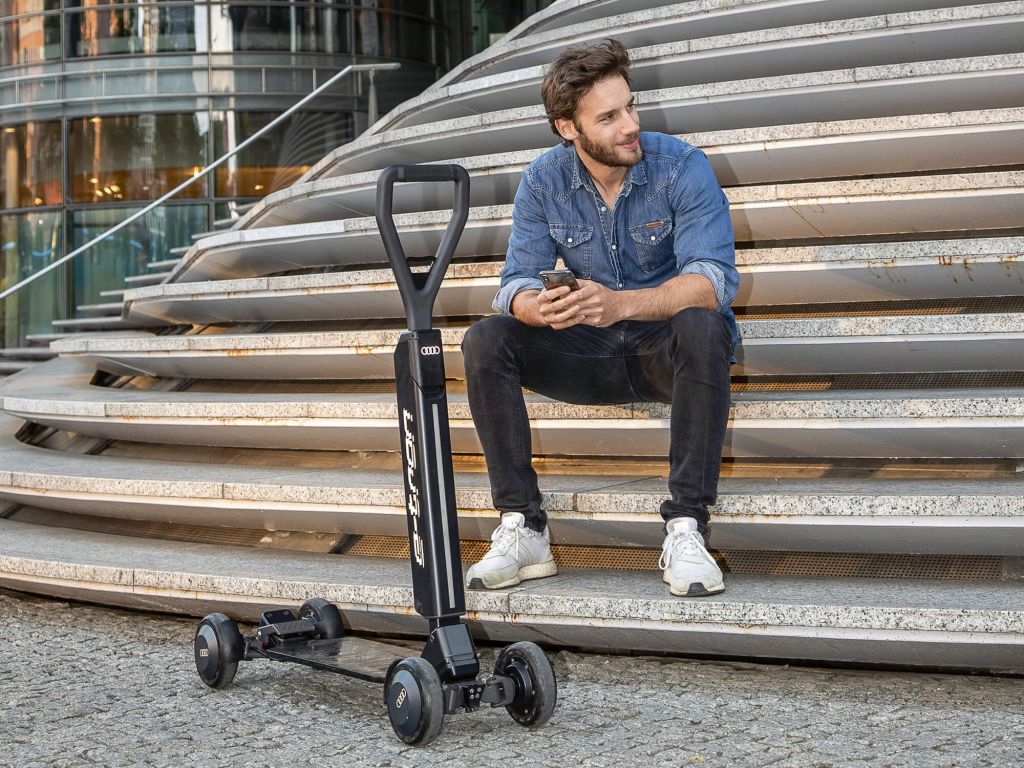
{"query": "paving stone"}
{"type": "Point", "coordinates": [92, 686]}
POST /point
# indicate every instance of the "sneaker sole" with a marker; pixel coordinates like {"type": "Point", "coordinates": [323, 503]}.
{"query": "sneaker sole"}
{"type": "Point", "coordinates": [696, 589]}
{"type": "Point", "coordinates": [527, 572]}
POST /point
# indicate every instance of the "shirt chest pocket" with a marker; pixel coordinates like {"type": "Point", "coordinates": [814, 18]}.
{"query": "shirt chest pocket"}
{"type": "Point", "coordinates": [573, 246]}
{"type": "Point", "coordinates": [652, 243]}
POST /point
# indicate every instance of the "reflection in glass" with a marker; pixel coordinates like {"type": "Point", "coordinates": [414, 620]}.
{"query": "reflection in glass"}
{"type": "Point", "coordinates": [292, 28]}
{"type": "Point", "coordinates": [136, 157]}
{"type": "Point", "coordinates": [392, 35]}
{"type": "Point", "coordinates": [113, 30]}
{"type": "Point", "coordinates": [28, 40]}
{"type": "Point", "coordinates": [279, 157]}
{"type": "Point", "coordinates": [30, 163]}
{"type": "Point", "coordinates": [28, 242]}
{"type": "Point", "coordinates": [105, 266]}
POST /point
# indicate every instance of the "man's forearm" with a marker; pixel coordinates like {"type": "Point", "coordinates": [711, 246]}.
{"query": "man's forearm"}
{"type": "Point", "coordinates": [667, 299]}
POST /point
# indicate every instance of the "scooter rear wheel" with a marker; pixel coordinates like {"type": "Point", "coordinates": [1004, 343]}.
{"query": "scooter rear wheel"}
{"type": "Point", "coordinates": [218, 647]}
{"type": "Point", "coordinates": [536, 688]}
{"type": "Point", "coordinates": [415, 701]}
{"type": "Point", "coordinates": [326, 615]}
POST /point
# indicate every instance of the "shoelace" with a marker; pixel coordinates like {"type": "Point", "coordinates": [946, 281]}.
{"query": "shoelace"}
{"type": "Point", "coordinates": [679, 544]}
{"type": "Point", "coordinates": [504, 537]}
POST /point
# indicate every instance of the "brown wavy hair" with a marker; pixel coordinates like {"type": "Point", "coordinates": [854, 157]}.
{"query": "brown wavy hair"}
{"type": "Point", "coordinates": [574, 72]}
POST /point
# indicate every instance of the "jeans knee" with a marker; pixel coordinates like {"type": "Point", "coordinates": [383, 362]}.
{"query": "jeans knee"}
{"type": "Point", "coordinates": [485, 340]}
{"type": "Point", "coordinates": [700, 332]}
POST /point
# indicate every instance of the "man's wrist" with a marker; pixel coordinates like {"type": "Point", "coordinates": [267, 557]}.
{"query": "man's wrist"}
{"type": "Point", "coordinates": [524, 307]}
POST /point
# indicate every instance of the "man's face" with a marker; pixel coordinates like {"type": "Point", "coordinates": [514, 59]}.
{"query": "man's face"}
{"type": "Point", "coordinates": [606, 127]}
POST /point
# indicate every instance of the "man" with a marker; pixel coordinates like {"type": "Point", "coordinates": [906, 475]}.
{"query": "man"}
{"type": "Point", "coordinates": [642, 222]}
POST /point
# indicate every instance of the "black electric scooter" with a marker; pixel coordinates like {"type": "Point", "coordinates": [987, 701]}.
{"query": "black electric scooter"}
{"type": "Point", "coordinates": [444, 679]}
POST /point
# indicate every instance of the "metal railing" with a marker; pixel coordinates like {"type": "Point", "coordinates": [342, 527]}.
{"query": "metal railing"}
{"type": "Point", "coordinates": [372, 118]}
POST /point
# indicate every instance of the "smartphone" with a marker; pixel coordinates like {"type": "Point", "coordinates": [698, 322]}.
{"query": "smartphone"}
{"type": "Point", "coordinates": [552, 278]}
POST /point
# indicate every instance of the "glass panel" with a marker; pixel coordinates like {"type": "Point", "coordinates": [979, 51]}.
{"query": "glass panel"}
{"type": "Point", "coordinates": [24, 41]}
{"type": "Point", "coordinates": [136, 157]}
{"type": "Point", "coordinates": [30, 163]}
{"type": "Point", "coordinates": [293, 28]}
{"type": "Point", "coordinates": [135, 29]}
{"type": "Point", "coordinates": [278, 158]}
{"type": "Point", "coordinates": [28, 242]}
{"type": "Point", "coordinates": [393, 36]}
{"type": "Point", "coordinates": [18, 7]}
{"type": "Point", "coordinates": [105, 266]}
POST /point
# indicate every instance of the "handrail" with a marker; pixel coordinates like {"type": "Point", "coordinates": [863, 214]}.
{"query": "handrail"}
{"type": "Point", "coordinates": [216, 163]}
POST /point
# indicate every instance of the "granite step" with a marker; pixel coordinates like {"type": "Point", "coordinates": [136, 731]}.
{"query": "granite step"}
{"type": "Point", "coordinates": [811, 514]}
{"type": "Point", "coordinates": [113, 322]}
{"type": "Point", "coordinates": [693, 20]}
{"type": "Point", "coordinates": [924, 622]}
{"type": "Point", "coordinates": [163, 265]}
{"type": "Point", "coordinates": [815, 211]}
{"type": "Point", "coordinates": [665, 55]}
{"type": "Point", "coordinates": [790, 347]}
{"type": "Point", "coordinates": [984, 423]}
{"type": "Point", "coordinates": [758, 155]}
{"type": "Point", "coordinates": [105, 308]}
{"type": "Point", "coordinates": [469, 290]}
{"type": "Point", "coordinates": [28, 353]}
{"type": "Point", "coordinates": [948, 85]}
{"type": "Point", "coordinates": [149, 278]}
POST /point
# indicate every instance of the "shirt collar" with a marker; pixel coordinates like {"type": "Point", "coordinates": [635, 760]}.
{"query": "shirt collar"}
{"type": "Point", "coordinates": [580, 178]}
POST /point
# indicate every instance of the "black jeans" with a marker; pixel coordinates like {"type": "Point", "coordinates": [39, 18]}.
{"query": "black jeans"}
{"type": "Point", "coordinates": [683, 361]}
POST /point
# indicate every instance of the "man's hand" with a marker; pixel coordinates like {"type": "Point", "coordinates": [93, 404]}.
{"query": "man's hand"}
{"type": "Point", "coordinates": [558, 308]}
{"type": "Point", "coordinates": [599, 306]}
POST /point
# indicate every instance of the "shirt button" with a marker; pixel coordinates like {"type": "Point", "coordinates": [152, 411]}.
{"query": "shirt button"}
{"type": "Point", "coordinates": [653, 237]}
{"type": "Point", "coordinates": [620, 285]}
{"type": "Point", "coordinates": [614, 247]}
{"type": "Point", "coordinates": [603, 209]}
{"type": "Point", "coordinates": [569, 239]}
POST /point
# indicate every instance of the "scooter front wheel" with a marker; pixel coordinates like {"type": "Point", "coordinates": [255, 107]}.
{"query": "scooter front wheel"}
{"type": "Point", "coordinates": [536, 688]}
{"type": "Point", "coordinates": [415, 701]}
{"type": "Point", "coordinates": [218, 647]}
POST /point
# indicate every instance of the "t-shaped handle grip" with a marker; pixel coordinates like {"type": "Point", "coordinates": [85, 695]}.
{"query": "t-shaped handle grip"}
{"type": "Point", "coordinates": [419, 302]}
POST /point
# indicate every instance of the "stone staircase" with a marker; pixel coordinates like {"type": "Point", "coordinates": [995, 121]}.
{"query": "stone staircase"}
{"type": "Point", "coordinates": [234, 444]}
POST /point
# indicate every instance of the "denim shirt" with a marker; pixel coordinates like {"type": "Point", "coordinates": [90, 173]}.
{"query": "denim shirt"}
{"type": "Point", "coordinates": [670, 218]}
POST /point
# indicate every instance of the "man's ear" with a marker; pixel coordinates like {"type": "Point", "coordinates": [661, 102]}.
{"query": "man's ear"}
{"type": "Point", "coordinates": [566, 129]}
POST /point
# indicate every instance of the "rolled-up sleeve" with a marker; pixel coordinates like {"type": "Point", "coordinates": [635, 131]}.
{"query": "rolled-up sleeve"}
{"type": "Point", "coordinates": [530, 249]}
{"type": "Point", "coordinates": [704, 243]}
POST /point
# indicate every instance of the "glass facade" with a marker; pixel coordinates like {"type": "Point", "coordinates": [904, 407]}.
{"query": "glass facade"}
{"type": "Point", "coordinates": [106, 104]}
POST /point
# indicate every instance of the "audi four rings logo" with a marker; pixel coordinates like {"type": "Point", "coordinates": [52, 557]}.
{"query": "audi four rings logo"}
{"type": "Point", "coordinates": [435, 350]}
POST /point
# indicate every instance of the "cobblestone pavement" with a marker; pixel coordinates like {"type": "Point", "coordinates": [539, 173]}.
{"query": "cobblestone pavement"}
{"type": "Point", "coordinates": [85, 686]}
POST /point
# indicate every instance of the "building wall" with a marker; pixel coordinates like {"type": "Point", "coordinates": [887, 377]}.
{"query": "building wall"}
{"type": "Point", "coordinates": [106, 105]}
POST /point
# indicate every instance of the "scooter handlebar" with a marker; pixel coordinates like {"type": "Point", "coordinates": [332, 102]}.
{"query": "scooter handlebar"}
{"type": "Point", "coordinates": [419, 302]}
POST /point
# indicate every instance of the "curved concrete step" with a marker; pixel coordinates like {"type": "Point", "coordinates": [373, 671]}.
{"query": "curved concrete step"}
{"type": "Point", "coordinates": [885, 146]}
{"type": "Point", "coordinates": [664, 55]}
{"type": "Point", "coordinates": [775, 212]}
{"type": "Point", "coordinates": [921, 623]}
{"type": "Point", "coordinates": [817, 515]}
{"type": "Point", "coordinates": [694, 20]}
{"type": "Point", "coordinates": [951, 85]}
{"type": "Point", "coordinates": [892, 424]}
{"type": "Point", "coordinates": [768, 276]}
{"type": "Point", "coordinates": [961, 342]}
{"type": "Point", "coordinates": [900, 344]}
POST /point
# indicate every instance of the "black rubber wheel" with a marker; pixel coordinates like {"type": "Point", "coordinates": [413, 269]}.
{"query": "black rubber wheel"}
{"type": "Point", "coordinates": [415, 701]}
{"type": "Point", "coordinates": [218, 646]}
{"type": "Point", "coordinates": [326, 615]}
{"type": "Point", "coordinates": [536, 689]}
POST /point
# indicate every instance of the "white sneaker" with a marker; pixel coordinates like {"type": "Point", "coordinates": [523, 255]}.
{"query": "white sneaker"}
{"type": "Point", "coordinates": [687, 567]}
{"type": "Point", "coordinates": [516, 553]}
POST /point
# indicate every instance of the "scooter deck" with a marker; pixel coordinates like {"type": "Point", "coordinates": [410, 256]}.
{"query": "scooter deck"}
{"type": "Point", "coordinates": [353, 656]}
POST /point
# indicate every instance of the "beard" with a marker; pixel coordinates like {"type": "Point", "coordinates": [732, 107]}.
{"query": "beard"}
{"type": "Point", "coordinates": [612, 155]}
